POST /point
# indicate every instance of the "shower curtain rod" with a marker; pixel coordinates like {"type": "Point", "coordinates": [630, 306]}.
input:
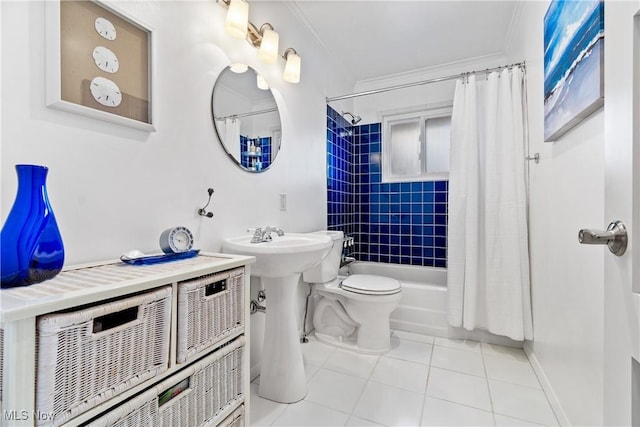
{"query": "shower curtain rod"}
{"type": "Point", "coordinates": [251, 113]}
{"type": "Point", "coordinates": [423, 82]}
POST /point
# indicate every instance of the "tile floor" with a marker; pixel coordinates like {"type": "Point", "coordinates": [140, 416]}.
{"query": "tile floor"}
{"type": "Point", "coordinates": [422, 381]}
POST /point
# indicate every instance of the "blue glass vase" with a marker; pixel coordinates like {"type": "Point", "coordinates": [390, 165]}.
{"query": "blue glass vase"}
{"type": "Point", "coordinates": [31, 245]}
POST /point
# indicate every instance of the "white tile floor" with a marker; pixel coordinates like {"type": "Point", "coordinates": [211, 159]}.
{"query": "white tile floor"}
{"type": "Point", "coordinates": [422, 381]}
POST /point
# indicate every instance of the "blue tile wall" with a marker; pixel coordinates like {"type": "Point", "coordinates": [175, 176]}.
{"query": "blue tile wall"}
{"type": "Point", "coordinates": [265, 150]}
{"type": "Point", "coordinates": [244, 149]}
{"type": "Point", "coordinates": [399, 223]}
{"type": "Point", "coordinates": [249, 160]}
{"type": "Point", "coordinates": [339, 173]}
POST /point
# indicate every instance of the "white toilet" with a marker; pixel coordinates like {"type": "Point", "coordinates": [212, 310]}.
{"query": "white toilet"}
{"type": "Point", "coordinates": [353, 311]}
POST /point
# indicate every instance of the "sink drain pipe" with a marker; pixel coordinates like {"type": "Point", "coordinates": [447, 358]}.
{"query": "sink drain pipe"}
{"type": "Point", "coordinates": [255, 306]}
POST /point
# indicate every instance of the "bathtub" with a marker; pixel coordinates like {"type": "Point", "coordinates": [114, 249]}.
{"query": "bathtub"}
{"type": "Point", "coordinates": [423, 307]}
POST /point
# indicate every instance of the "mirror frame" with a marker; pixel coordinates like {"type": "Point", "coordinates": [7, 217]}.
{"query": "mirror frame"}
{"type": "Point", "coordinates": [275, 109]}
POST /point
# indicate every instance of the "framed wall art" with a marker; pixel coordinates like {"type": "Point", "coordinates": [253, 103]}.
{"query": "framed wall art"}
{"type": "Point", "coordinates": [573, 64]}
{"type": "Point", "coordinates": [99, 63]}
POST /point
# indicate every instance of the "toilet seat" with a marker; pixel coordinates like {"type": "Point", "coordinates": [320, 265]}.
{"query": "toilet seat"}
{"type": "Point", "coordinates": [367, 284]}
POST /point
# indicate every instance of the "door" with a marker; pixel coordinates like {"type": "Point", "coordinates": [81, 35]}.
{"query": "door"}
{"type": "Point", "coordinates": [622, 160]}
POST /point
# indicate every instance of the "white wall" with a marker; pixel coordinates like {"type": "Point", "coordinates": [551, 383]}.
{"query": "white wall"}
{"type": "Point", "coordinates": [113, 188]}
{"type": "Point", "coordinates": [566, 194]}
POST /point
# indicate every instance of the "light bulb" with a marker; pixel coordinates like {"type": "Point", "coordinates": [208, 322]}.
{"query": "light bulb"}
{"type": "Point", "coordinates": [268, 51]}
{"type": "Point", "coordinates": [237, 19]}
{"type": "Point", "coordinates": [292, 67]}
{"type": "Point", "coordinates": [261, 82]}
{"type": "Point", "coordinates": [238, 67]}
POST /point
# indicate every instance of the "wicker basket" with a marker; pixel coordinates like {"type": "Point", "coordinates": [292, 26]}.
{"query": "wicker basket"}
{"type": "Point", "coordinates": [235, 419]}
{"type": "Point", "coordinates": [88, 356]}
{"type": "Point", "coordinates": [210, 309]}
{"type": "Point", "coordinates": [207, 392]}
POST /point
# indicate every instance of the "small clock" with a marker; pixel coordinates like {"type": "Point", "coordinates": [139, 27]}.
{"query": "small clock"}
{"type": "Point", "coordinates": [105, 92]}
{"type": "Point", "coordinates": [176, 239]}
{"type": "Point", "coordinates": [105, 59]}
{"type": "Point", "coordinates": [105, 28]}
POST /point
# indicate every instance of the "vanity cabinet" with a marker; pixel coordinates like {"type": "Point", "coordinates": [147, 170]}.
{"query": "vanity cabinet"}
{"type": "Point", "coordinates": [112, 343]}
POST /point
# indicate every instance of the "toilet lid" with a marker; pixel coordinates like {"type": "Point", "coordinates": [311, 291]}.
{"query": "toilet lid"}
{"type": "Point", "coordinates": [370, 285]}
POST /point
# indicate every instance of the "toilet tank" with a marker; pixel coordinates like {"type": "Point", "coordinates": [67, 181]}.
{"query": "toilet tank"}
{"type": "Point", "coordinates": [327, 269]}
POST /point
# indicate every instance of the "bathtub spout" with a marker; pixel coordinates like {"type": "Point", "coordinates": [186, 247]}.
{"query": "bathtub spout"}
{"type": "Point", "coordinates": [346, 260]}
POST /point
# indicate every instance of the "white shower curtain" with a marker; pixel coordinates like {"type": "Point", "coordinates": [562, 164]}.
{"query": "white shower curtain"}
{"type": "Point", "coordinates": [488, 259]}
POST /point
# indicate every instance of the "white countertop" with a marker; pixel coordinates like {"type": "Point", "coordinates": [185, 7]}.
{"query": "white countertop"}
{"type": "Point", "coordinates": [89, 283]}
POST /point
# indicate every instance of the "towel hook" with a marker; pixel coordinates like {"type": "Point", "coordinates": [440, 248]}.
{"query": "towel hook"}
{"type": "Point", "coordinates": [202, 211]}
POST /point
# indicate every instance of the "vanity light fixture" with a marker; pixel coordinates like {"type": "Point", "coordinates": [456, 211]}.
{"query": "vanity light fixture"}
{"type": "Point", "coordinates": [261, 82]}
{"type": "Point", "coordinates": [265, 39]}
{"type": "Point", "coordinates": [238, 67]}
{"type": "Point", "coordinates": [292, 67]}
{"type": "Point", "coordinates": [268, 50]}
{"type": "Point", "coordinates": [237, 19]}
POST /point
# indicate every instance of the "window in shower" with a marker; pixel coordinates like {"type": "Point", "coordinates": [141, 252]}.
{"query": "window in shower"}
{"type": "Point", "coordinates": [415, 146]}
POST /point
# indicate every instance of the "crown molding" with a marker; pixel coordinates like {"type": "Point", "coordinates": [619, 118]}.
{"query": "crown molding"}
{"type": "Point", "coordinates": [463, 66]}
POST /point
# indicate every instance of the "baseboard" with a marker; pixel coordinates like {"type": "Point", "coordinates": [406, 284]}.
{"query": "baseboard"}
{"type": "Point", "coordinates": [482, 335]}
{"type": "Point", "coordinates": [546, 386]}
{"type": "Point", "coordinates": [418, 328]}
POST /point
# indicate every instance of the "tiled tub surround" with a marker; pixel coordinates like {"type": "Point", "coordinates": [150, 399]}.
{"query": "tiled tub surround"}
{"type": "Point", "coordinates": [340, 187]}
{"type": "Point", "coordinates": [399, 223]}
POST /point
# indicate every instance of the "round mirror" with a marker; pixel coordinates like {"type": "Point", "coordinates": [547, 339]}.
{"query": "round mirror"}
{"type": "Point", "coordinates": [246, 118]}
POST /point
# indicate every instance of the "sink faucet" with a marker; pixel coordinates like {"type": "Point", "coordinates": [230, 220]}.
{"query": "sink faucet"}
{"type": "Point", "coordinates": [264, 235]}
{"type": "Point", "coordinates": [257, 235]}
{"type": "Point", "coordinates": [274, 230]}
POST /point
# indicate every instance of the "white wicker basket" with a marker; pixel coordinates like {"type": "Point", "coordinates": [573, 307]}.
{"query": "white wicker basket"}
{"type": "Point", "coordinates": [235, 419]}
{"type": "Point", "coordinates": [205, 393]}
{"type": "Point", "coordinates": [210, 309]}
{"type": "Point", "coordinates": [88, 356]}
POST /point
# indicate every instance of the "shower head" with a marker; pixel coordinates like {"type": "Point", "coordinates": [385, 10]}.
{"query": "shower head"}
{"type": "Point", "coordinates": [354, 119]}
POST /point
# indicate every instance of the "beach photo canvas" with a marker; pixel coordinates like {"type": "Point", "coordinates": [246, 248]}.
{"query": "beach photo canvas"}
{"type": "Point", "coordinates": [573, 64]}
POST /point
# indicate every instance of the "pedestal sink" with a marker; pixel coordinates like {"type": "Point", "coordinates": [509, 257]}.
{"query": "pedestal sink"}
{"type": "Point", "coordinates": [279, 264]}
